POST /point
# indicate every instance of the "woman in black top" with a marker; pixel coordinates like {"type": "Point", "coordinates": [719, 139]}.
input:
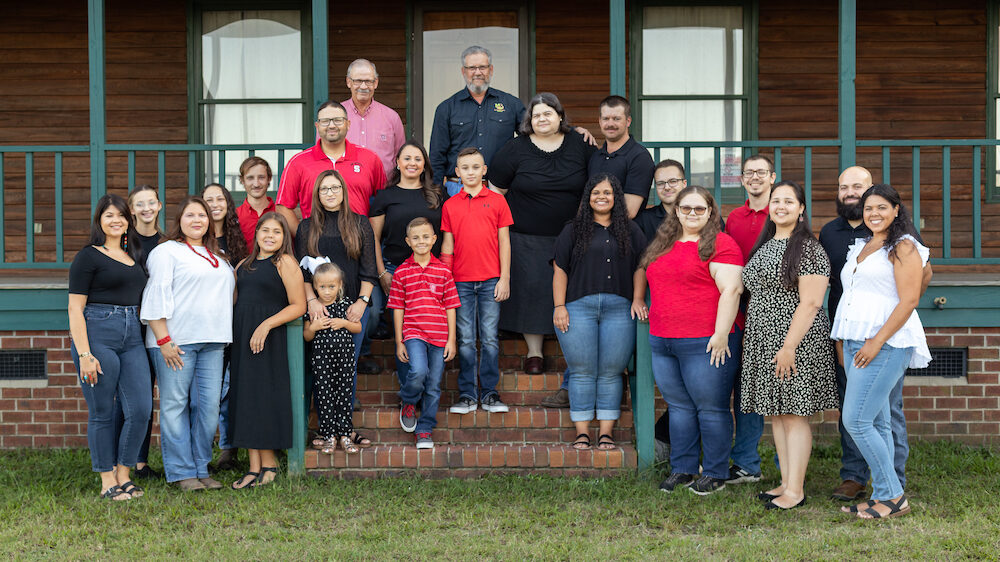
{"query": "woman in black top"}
{"type": "Point", "coordinates": [105, 288]}
{"type": "Point", "coordinates": [597, 299]}
{"type": "Point", "coordinates": [542, 172]}
{"type": "Point", "coordinates": [225, 223]}
{"type": "Point", "coordinates": [335, 233]}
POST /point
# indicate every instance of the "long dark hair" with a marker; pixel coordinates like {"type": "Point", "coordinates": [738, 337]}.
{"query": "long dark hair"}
{"type": "Point", "coordinates": [550, 100]}
{"type": "Point", "coordinates": [347, 221]}
{"type": "Point", "coordinates": [801, 235]}
{"type": "Point", "coordinates": [175, 233]}
{"type": "Point", "coordinates": [130, 240]}
{"type": "Point", "coordinates": [235, 243]}
{"type": "Point", "coordinates": [670, 230]}
{"type": "Point", "coordinates": [286, 240]}
{"type": "Point", "coordinates": [431, 192]}
{"type": "Point", "coordinates": [583, 222]}
{"type": "Point", "coordinates": [901, 225]}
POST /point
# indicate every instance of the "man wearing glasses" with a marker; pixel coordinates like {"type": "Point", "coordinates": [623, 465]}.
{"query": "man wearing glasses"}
{"type": "Point", "coordinates": [744, 225]}
{"type": "Point", "coordinates": [361, 168]}
{"type": "Point", "coordinates": [478, 116]}
{"type": "Point", "coordinates": [373, 125]}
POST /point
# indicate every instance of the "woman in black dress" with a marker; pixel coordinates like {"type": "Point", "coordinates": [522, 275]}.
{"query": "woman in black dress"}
{"type": "Point", "coordinates": [268, 295]}
{"type": "Point", "coordinates": [542, 172]}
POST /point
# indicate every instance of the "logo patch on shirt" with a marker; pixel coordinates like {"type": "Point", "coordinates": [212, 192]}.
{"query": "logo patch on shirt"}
{"type": "Point", "coordinates": [357, 168]}
{"type": "Point", "coordinates": [498, 107]}
{"type": "Point", "coordinates": [384, 138]}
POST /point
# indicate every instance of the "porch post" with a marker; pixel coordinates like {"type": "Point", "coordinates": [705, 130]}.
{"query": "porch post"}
{"type": "Point", "coordinates": [847, 72]}
{"type": "Point", "coordinates": [320, 54]}
{"type": "Point", "coordinates": [98, 121]}
{"type": "Point", "coordinates": [617, 46]}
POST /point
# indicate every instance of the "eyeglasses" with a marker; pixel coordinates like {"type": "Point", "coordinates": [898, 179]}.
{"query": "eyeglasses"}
{"type": "Point", "coordinates": [141, 205]}
{"type": "Point", "coordinates": [751, 173]}
{"type": "Point", "coordinates": [699, 211]}
{"type": "Point", "coordinates": [338, 121]}
{"type": "Point", "coordinates": [330, 189]}
{"type": "Point", "coordinates": [673, 182]}
{"type": "Point", "coordinates": [482, 68]}
{"type": "Point", "coordinates": [363, 82]}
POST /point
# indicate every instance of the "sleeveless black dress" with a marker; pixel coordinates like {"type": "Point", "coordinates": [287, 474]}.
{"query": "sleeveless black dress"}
{"type": "Point", "coordinates": [260, 401]}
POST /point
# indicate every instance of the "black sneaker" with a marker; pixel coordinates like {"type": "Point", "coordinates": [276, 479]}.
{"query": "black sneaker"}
{"type": "Point", "coordinates": [677, 479]}
{"type": "Point", "coordinates": [707, 485]}
{"type": "Point", "coordinates": [738, 476]}
{"type": "Point", "coordinates": [368, 367]}
{"type": "Point", "coordinates": [408, 417]}
{"type": "Point", "coordinates": [146, 472]}
{"type": "Point", "coordinates": [492, 403]}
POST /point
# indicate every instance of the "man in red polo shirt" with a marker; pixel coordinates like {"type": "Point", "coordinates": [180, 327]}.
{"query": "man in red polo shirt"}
{"type": "Point", "coordinates": [361, 168]}
{"type": "Point", "coordinates": [255, 175]}
{"type": "Point", "coordinates": [744, 225]}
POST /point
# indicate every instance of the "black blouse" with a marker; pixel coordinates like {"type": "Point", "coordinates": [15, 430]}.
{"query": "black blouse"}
{"type": "Point", "coordinates": [544, 188]}
{"type": "Point", "coordinates": [400, 206]}
{"type": "Point", "coordinates": [602, 269]}
{"type": "Point", "coordinates": [146, 245]}
{"type": "Point", "coordinates": [106, 280]}
{"type": "Point", "coordinates": [332, 246]}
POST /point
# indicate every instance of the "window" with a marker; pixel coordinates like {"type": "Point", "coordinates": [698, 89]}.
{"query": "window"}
{"type": "Point", "coordinates": [695, 83]}
{"type": "Point", "coordinates": [993, 101]}
{"type": "Point", "coordinates": [250, 86]}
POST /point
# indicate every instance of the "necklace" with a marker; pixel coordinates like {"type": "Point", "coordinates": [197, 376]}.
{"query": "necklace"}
{"type": "Point", "coordinates": [209, 258]}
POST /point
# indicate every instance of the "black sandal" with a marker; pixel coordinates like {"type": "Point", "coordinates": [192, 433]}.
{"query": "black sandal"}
{"type": "Point", "coordinates": [112, 493]}
{"type": "Point", "coordinates": [582, 442]}
{"type": "Point", "coordinates": [854, 508]}
{"type": "Point", "coordinates": [606, 442]}
{"type": "Point", "coordinates": [246, 485]}
{"type": "Point", "coordinates": [263, 469]}
{"type": "Point", "coordinates": [131, 489]}
{"type": "Point", "coordinates": [895, 509]}
{"type": "Point", "coordinates": [360, 440]}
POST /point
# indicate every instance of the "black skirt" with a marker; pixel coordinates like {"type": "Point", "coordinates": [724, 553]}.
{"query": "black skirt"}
{"type": "Point", "coordinates": [529, 308]}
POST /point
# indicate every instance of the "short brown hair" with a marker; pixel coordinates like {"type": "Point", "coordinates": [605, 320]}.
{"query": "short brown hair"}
{"type": "Point", "coordinates": [469, 151]}
{"type": "Point", "coordinates": [419, 221]}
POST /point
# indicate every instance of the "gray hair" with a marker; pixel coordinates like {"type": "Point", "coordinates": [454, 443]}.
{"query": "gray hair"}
{"type": "Point", "coordinates": [477, 50]}
{"type": "Point", "coordinates": [359, 62]}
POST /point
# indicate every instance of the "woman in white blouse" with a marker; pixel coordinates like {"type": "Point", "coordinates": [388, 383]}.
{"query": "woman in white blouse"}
{"type": "Point", "coordinates": [188, 304]}
{"type": "Point", "coordinates": [879, 335]}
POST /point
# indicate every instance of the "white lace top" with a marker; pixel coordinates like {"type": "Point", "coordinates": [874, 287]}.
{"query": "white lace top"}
{"type": "Point", "coordinates": [194, 297]}
{"type": "Point", "coordinates": [870, 296]}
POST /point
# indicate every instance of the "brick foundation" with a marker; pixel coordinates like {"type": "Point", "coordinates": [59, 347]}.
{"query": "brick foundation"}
{"type": "Point", "coordinates": [966, 411]}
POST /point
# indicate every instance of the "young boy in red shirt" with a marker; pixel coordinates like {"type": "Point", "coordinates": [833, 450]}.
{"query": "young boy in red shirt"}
{"type": "Point", "coordinates": [423, 299]}
{"type": "Point", "coordinates": [475, 223]}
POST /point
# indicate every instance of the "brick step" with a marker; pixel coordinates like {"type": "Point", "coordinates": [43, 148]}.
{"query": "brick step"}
{"type": "Point", "coordinates": [519, 417]}
{"type": "Point", "coordinates": [471, 461]}
{"type": "Point", "coordinates": [489, 435]}
{"type": "Point", "coordinates": [512, 352]}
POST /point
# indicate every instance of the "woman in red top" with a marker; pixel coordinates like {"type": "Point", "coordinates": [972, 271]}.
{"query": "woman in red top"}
{"type": "Point", "coordinates": [693, 271]}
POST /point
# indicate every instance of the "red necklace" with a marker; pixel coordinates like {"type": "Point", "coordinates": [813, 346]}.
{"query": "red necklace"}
{"type": "Point", "coordinates": [209, 258]}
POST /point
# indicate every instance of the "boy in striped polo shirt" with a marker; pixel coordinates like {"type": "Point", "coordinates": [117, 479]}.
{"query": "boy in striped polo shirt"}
{"type": "Point", "coordinates": [423, 298]}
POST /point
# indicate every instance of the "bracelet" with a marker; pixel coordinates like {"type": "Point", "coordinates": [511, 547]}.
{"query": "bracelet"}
{"type": "Point", "coordinates": [310, 300]}
{"type": "Point", "coordinates": [85, 354]}
{"type": "Point", "coordinates": [558, 305]}
{"type": "Point", "coordinates": [381, 275]}
{"type": "Point", "coordinates": [164, 340]}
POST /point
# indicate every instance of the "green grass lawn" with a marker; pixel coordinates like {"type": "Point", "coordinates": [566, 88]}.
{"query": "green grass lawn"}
{"type": "Point", "coordinates": [49, 508]}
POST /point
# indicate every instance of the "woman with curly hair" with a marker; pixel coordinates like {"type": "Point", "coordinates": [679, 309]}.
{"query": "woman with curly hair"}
{"type": "Point", "coordinates": [225, 223]}
{"type": "Point", "coordinates": [694, 271]}
{"type": "Point", "coordinates": [597, 300]}
{"type": "Point", "coordinates": [879, 336]}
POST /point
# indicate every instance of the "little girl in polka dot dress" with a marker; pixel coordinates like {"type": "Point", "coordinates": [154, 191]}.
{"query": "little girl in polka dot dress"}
{"type": "Point", "coordinates": [332, 360]}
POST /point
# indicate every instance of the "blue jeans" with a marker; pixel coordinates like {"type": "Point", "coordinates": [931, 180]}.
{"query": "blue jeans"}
{"type": "Point", "coordinates": [189, 409]}
{"type": "Point", "coordinates": [478, 316]}
{"type": "Point", "coordinates": [597, 346]}
{"type": "Point", "coordinates": [423, 382]}
{"type": "Point", "coordinates": [452, 187]}
{"type": "Point", "coordinates": [375, 312]}
{"type": "Point", "coordinates": [867, 415]}
{"type": "Point", "coordinates": [115, 341]}
{"type": "Point", "coordinates": [749, 427]}
{"type": "Point", "coordinates": [697, 394]}
{"type": "Point", "coordinates": [401, 368]}
{"type": "Point", "coordinates": [224, 429]}
{"type": "Point", "coordinates": [357, 339]}
{"type": "Point", "coordinates": [852, 464]}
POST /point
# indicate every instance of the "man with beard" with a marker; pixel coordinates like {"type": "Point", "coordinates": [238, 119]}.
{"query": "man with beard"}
{"type": "Point", "coordinates": [478, 116]}
{"type": "Point", "coordinates": [836, 238]}
{"type": "Point", "coordinates": [621, 156]}
{"type": "Point", "coordinates": [373, 125]}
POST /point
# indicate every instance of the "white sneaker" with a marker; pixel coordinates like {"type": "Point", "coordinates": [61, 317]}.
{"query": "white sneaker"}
{"type": "Point", "coordinates": [464, 406]}
{"type": "Point", "coordinates": [492, 403]}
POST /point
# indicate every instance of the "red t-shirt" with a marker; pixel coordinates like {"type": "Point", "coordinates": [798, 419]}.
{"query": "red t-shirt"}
{"type": "Point", "coordinates": [361, 168]}
{"type": "Point", "coordinates": [248, 218]}
{"type": "Point", "coordinates": [685, 298]}
{"type": "Point", "coordinates": [744, 225]}
{"type": "Point", "coordinates": [424, 294]}
{"type": "Point", "coordinates": [475, 222]}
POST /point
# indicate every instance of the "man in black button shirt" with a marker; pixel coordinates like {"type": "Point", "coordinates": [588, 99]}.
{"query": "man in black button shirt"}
{"type": "Point", "coordinates": [621, 156]}
{"type": "Point", "coordinates": [836, 237]}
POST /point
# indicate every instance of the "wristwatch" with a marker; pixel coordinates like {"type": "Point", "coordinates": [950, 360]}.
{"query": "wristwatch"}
{"type": "Point", "coordinates": [367, 299]}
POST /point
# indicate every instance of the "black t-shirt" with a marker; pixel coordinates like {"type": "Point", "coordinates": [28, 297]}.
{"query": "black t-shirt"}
{"type": "Point", "coordinates": [399, 206]}
{"type": "Point", "coordinates": [146, 245]}
{"type": "Point", "coordinates": [602, 269]}
{"type": "Point", "coordinates": [544, 188]}
{"type": "Point", "coordinates": [631, 164]}
{"type": "Point", "coordinates": [105, 280]}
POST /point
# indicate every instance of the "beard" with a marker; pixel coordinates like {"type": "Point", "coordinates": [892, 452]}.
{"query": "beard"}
{"type": "Point", "coordinates": [851, 212]}
{"type": "Point", "coordinates": [478, 88]}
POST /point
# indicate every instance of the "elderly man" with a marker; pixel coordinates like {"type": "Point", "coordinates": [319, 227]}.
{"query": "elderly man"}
{"type": "Point", "coordinates": [478, 116]}
{"type": "Point", "coordinates": [836, 237]}
{"type": "Point", "coordinates": [373, 125]}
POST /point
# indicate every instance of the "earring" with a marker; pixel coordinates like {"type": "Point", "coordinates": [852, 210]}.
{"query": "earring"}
{"type": "Point", "coordinates": [125, 242]}
{"type": "Point", "coordinates": [800, 218]}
